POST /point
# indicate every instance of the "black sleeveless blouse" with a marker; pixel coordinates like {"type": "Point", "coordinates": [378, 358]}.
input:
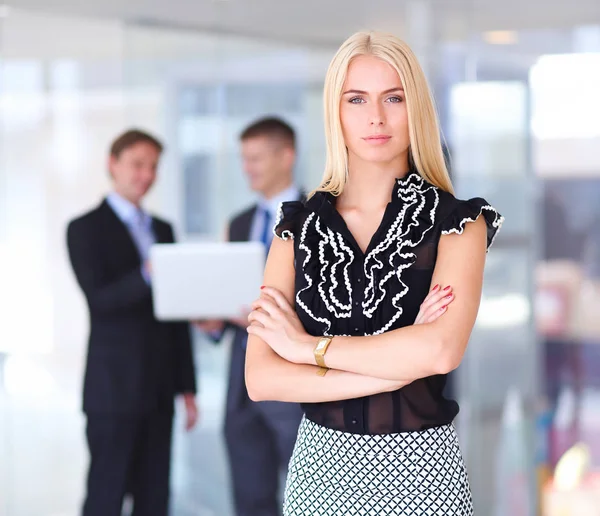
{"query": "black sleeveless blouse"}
{"type": "Point", "coordinates": [339, 290]}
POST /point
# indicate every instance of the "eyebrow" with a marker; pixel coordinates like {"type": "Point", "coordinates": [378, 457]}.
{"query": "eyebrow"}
{"type": "Point", "coordinates": [361, 92]}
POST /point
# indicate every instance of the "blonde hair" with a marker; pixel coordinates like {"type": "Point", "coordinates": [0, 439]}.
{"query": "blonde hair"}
{"type": "Point", "coordinates": [424, 133]}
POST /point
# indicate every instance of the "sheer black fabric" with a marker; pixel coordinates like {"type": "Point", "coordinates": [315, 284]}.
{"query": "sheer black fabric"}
{"type": "Point", "coordinates": [342, 291]}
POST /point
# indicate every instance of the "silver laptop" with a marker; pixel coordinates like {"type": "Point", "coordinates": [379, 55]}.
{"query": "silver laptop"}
{"type": "Point", "coordinates": [205, 280]}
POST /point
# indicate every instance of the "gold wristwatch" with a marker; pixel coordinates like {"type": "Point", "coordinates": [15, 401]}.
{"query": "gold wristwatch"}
{"type": "Point", "coordinates": [321, 349]}
{"type": "Point", "coordinates": [322, 371]}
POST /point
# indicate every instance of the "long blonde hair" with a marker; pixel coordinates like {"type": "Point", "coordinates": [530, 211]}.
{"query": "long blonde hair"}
{"type": "Point", "coordinates": [424, 133]}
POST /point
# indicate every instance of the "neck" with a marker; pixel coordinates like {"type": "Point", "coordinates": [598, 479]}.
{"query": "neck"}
{"type": "Point", "coordinates": [136, 202]}
{"type": "Point", "coordinates": [275, 190]}
{"type": "Point", "coordinates": [370, 184]}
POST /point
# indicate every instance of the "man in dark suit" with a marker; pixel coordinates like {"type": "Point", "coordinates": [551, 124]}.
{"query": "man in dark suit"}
{"type": "Point", "coordinates": [260, 436]}
{"type": "Point", "coordinates": [135, 364]}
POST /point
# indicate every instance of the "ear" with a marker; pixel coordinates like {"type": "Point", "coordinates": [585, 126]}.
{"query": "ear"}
{"type": "Point", "coordinates": [289, 156]}
{"type": "Point", "coordinates": [111, 162]}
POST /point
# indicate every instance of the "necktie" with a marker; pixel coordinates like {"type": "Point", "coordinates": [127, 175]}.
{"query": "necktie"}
{"type": "Point", "coordinates": [265, 237]}
{"type": "Point", "coordinates": [142, 234]}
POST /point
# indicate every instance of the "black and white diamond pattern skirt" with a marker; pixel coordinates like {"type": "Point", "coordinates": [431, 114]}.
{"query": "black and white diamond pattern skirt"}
{"type": "Point", "coordinates": [334, 473]}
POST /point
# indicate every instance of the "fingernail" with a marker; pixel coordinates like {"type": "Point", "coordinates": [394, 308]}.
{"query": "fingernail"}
{"type": "Point", "coordinates": [262, 286]}
{"type": "Point", "coordinates": [448, 287]}
{"type": "Point", "coordinates": [448, 297]}
{"type": "Point", "coordinates": [435, 288]}
{"type": "Point", "coordinates": [444, 307]}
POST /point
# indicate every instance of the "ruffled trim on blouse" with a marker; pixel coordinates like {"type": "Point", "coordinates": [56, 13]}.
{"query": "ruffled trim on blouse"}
{"type": "Point", "coordinates": [469, 211]}
{"type": "Point", "coordinates": [286, 224]}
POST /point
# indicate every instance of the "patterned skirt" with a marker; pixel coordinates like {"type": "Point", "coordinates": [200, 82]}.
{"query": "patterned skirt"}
{"type": "Point", "coordinates": [334, 473]}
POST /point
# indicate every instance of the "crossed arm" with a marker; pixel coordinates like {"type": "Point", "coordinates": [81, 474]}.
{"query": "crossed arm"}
{"type": "Point", "coordinates": [279, 359]}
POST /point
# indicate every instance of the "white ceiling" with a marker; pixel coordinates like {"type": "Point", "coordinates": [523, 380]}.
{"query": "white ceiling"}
{"type": "Point", "coordinates": [328, 22]}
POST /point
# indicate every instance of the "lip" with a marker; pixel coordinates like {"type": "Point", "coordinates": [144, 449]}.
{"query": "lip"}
{"type": "Point", "coordinates": [378, 138]}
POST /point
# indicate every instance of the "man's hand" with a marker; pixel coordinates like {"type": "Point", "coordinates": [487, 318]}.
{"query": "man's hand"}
{"type": "Point", "coordinates": [148, 268]}
{"type": "Point", "coordinates": [191, 411]}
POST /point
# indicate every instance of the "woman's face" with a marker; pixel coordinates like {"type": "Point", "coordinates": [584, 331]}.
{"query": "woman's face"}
{"type": "Point", "coordinates": [373, 113]}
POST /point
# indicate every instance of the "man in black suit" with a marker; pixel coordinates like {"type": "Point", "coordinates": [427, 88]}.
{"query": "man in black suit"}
{"type": "Point", "coordinates": [260, 436]}
{"type": "Point", "coordinates": [136, 365]}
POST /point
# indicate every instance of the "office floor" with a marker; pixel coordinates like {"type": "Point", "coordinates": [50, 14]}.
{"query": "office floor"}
{"type": "Point", "coordinates": [43, 455]}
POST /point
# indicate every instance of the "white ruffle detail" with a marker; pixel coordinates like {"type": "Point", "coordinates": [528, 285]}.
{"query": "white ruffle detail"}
{"type": "Point", "coordinates": [309, 281]}
{"type": "Point", "coordinates": [329, 271]}
{"type": "Point", "coordinates": [330, 300]}
{"type": "Point", "coordinates": [496, 223]}
{"type": "Point", "coordinates": [384, 265]}
{"type": "Point", "coordinates": [393, 255]}
{"type": "Point", "coordinates": [286, 234]}
{"type": "Point", "coordinates": [414, 194]}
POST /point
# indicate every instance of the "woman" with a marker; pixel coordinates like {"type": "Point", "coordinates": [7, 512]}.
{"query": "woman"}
{"type": "Point", "coordinates": [353, 321]}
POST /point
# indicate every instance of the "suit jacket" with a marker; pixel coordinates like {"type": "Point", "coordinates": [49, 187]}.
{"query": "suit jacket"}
{"type": "Point", "coordinates": [135, 364]}
{"type": "Point", "coordinates": [237, 394]}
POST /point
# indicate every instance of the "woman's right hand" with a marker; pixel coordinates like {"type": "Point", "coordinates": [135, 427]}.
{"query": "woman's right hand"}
{"type": "Point", "coordinates": [435, 304]}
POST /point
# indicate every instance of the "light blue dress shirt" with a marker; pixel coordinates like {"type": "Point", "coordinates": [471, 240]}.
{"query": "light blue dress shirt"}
{"type": "Point", "coordinates": [139, 224]}
{"type": "Point", "coordinates": [271, 205]}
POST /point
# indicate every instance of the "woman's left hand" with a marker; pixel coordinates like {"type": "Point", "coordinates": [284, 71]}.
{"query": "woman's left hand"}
{"type": "Point", "coordinates": [274, 320]}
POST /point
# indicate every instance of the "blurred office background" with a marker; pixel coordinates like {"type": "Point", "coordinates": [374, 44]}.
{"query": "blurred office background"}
{"type": "Point", "coordinates": [517, 90]}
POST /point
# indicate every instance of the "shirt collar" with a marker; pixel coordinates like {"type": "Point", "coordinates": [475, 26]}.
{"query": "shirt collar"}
{"type": "Point", "coordinates": [291, 193]}
{"type": "Point", "coordinates": [124, 209]}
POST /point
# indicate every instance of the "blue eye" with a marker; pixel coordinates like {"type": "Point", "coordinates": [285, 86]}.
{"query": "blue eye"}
{"type": "Point", "coordinates": [356, 100]}
{"type": "Point", "coordinates": [395, 100]}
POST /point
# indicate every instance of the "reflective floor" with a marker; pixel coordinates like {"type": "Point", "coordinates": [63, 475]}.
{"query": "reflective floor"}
{"type": "Point", "coordinates": [43, 455]}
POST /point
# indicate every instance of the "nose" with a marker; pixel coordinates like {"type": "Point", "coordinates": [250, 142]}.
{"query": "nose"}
{"type": "Point", "coordinates": [377, 115]}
